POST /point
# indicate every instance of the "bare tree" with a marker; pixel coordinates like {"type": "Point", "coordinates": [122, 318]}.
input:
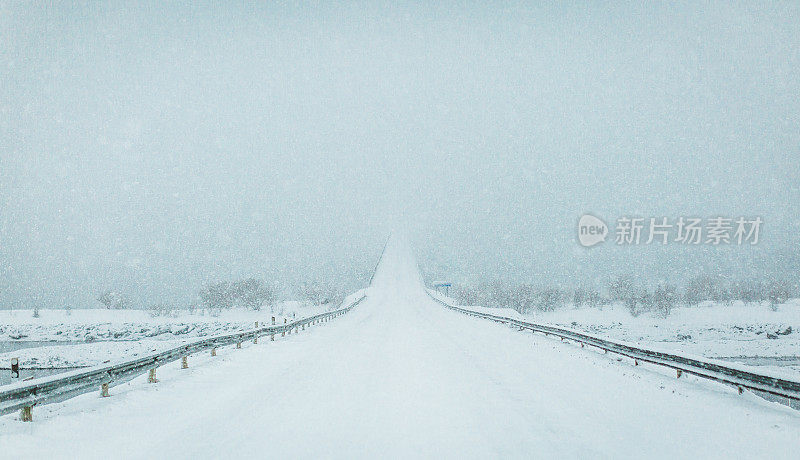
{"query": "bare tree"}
{"type": "Point", "coordinates": [750, 291]}
{"type": "Point", "coordinates": [579, 297]}
{"type": "Point", "coordinates": [217, 296]}
{"type": "Point", "coordinates": [593, 298]}
{"type": "Point", "coordinates": [704, 288]}
{"type": "Point", "coordinates": [778, 292]}
{"type": "Point", "coordinates": [665, 298]}
{"type": "Point", "coordinates": [253, 293]}
{"type": "Point", "coordinates": [467, 295]}
{"type": "Point", "coordinates": [318, 293]}
{"type": "Point", "coordinates": [114, 300]}
{"type": "Point", "coordinates": [621, 288]}
{"type": "Point", "coordinates": [550, 299]}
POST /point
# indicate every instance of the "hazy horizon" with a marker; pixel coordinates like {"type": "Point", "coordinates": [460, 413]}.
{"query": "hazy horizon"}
{"type": "Point", "coordinates": [152, 148]}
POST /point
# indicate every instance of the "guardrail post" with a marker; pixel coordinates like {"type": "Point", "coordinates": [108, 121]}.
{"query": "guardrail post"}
{"type": "Point", "coordinates": [679, 372]}
{"type": "Point", "coordinates": [741, 390]}
{"type": "Point", "coordinates": [184, 362]}
{"type": "Point", "coordinates": [272, 337]}
{"type": "Point", "coordinates": [151, 377]}
{"type": "Point", "coordinates": [214, 351]}
{"type": "Point", "coordinates": [104, 390]}
{"type": "Point", "coordinates": [25, 414]}
{"type": "Point", "coordinates": [255, 339]}
{"type": "Point", "coordinates": [256, 324]}
{"type": "Point", "coordinates": [304, 326]}
{"type": "Point", "coordinates": [238, 344]}
{"type": "Point", "coordinates": [273, 320]}
{"type": "Point", "coordinates": [635, 362]}
{"type": "Point", "coordinates": [14, 368]}
{"type": "Point", "coordinates": [283, 332]}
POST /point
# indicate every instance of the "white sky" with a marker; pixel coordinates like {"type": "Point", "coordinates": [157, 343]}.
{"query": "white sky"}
{"type": "Point", "coordinates": [151, 148]}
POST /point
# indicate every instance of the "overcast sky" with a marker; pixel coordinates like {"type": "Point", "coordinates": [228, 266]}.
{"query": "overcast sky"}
{"type": "Point", "coordinates": [152, 148]}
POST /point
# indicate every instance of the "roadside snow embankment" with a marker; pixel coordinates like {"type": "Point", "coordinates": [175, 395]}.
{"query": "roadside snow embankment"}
{"type": "Point", "coordinates": [750, 334]}
{"type": "Point", "coordinates": [59, 338]}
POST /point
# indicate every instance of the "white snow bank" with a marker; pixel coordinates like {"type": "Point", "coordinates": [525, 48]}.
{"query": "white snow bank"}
{"type": "Point", "coordinates": [752, 334]}
{"type": "Point", "coordinates": [91, 337]}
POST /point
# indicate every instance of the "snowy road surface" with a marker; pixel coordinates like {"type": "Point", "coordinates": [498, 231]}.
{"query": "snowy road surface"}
{"type": "Point", "coordinates": [401, 377]}
{"type": "Point", "coordinates": [409, 380]}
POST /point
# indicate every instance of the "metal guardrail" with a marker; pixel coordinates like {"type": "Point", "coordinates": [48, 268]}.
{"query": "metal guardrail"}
{"type": "Point", "coordinates": [706, 369]}
{"type": "Point", "coordinates": [24, 395]}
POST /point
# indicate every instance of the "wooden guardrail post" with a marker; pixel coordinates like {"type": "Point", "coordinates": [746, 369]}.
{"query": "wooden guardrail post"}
{"type": "Point", "coordinates": [238, 344]}
{"type": "Point", "coordinates": [679, 372]}
{"type": "Point", "coordinates": [151, 376]}
{"type": "Point", "coordinates": [255, 339]}
{"type": "Point", "coordinates": [273, 320]}
{"type": "Point", "coordinates": [184, 362]}
{"type": "Point", "coordinates": [214, 351]}
{"type": "Point", "coordinates": [26, 414]}
{"type": "Point", "coordinates": [104, 391]}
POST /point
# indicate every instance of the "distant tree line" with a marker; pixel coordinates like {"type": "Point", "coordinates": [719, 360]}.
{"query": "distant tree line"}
{"type": "Point", "coordinates": [319, 293]}
{"type": "Point", "coordinates": [255, 293]}
{"type": "Point", "coordinates": [114, 300]}
{"type": "Point", "coordinates": [252, 293]}
{"type": "Point", "coordinates": [636, 298]}
{"type": "Point", "coordinates": [522, 297]}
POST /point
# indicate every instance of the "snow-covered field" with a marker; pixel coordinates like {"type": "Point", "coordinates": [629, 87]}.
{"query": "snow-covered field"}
{"type": "Point", "coordinates": [93, 336]}
{"type": "Point", "coordinates": [750, 334]}
{"type": "Point", "coordinates": [402, 377]}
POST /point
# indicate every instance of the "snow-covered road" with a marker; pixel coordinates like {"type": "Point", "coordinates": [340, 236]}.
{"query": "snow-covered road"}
{"type": "Point", "coordinates": [401, 377]}
{"type": "Point", "coordinates": [403, 380]}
